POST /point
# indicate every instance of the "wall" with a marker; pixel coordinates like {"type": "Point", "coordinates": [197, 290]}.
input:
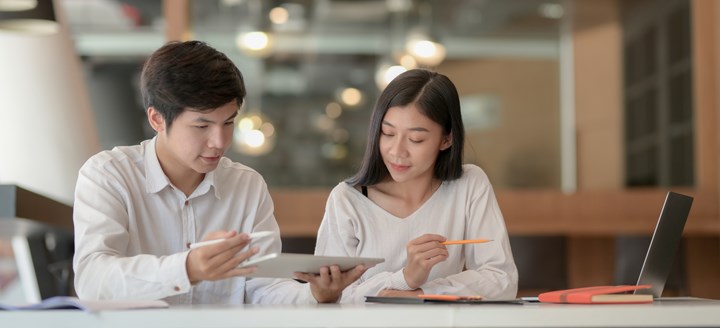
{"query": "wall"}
{"type": "Point", "coordinates": [523, 149]}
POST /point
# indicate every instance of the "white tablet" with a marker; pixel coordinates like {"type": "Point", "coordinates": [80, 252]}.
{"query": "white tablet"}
{"type": "Point", "coordinates": [282, 265]}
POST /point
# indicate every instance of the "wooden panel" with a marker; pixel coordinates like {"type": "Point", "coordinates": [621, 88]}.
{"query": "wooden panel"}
{"type": "Point", "coordinates": [597, 62]}
{"type": "Point", "coordinates": [22, 203]}
{"type": "Point", "coordinates": [590, 261]}
{"type": "Point", "coordinates": [705, 74]}
{"type": "Point", "coordinates": [703, 266]}
{"type": "Point", "coordinates": [601, 212]}
{"type": "Point", "coordinates": [177, 20]}
{"type": "Point", "coordinates": [538, 212]}
{"type": "Point", "coordinates": [299, 212]}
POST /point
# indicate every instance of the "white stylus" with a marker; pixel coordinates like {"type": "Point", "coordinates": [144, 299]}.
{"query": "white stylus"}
{"type": "Point", "coordinates": [253, 235]}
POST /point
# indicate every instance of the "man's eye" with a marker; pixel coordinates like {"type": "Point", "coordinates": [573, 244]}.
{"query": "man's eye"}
{"type": "Point", "coordinates": [230, 123]}
{"type": "Point", "coordinates": [201, 126]}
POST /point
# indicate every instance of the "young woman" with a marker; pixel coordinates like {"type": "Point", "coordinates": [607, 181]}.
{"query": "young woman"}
{"type": "Point", "coordinates": [411, 193]}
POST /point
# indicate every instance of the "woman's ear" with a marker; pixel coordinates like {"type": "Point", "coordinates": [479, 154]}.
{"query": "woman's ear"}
{"type": "Point", "coordinates": [446, 142]}
{"type": "Point", "coordinates": [157, 122]}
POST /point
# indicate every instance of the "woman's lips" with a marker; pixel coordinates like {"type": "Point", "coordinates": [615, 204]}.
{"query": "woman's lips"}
{"type": "Point", "coordinates": [397, 167]}
{"type": "Point", "coordinates": [211, 159]}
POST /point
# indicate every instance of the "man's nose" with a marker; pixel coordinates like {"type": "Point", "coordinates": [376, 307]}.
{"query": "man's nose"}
{"type": "Point", "coordinates": [218, 139]}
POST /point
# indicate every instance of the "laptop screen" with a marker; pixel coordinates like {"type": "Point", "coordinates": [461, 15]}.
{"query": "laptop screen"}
{"type": "Point", "coordinates": [664, 243]}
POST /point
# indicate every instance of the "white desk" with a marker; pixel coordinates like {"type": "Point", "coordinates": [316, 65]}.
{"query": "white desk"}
{"type": "Point", "coordinates": [660, 314]}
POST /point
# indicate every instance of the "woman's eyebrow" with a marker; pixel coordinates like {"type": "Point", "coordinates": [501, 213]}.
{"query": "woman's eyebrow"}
{"type": "Point", "coordinates": [417, 129]}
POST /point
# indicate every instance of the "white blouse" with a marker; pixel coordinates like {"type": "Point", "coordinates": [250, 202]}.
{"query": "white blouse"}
{"type": "Point", "coordinates": [133, 230]}
{"type": "Point", "coordinates": [465, 208]}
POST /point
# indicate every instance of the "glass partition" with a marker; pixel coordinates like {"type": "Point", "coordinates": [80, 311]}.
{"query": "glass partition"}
{"type": "Point", "coordinates": [533, 76]}
{"type": "Point", "coordinates": [315, 68]}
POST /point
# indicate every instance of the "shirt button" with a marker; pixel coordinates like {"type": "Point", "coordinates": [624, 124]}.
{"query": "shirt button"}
{"type": "Point", "coordinates": [187, 202]}
{"type": "Point", "coordinates": [176, 288]}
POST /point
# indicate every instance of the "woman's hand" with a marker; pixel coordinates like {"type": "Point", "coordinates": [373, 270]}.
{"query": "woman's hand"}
{"type": "Point", "coordinates": [221, 260]}
{"type": "Point", "coordinates": [400, 293]}
{"type": "Point", "coordinates": [327, 287]}
{"type": "Point", "coordinates": [422, 254]}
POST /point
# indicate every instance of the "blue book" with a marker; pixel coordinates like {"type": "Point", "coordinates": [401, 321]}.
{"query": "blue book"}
{"type": "Point", "coordinates": [74, 303]}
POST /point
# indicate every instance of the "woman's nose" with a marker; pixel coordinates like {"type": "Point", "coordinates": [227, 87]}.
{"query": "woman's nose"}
{"type": "Point", "coordinates": [398, 148]}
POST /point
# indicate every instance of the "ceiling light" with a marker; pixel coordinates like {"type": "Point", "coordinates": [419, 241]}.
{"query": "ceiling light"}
{"type": "Point", "coordinates": [254, 135]}
{"type": "Point", "coordinates": [551, 10]}
{"type": "Point", "coordinates": [279, 15]}
{"type": "Point", "coordinates": [254, 43]}
{"type": "Point", "coordinates": [424, 49]}
{"type": "Point", "coordinates": [386, 73]}
{"type": "Point", "coordinates": [323, 123]}
{"type": "Point", "coordinates": [398, 6]}
{"type": "Point", "coordinates": [333, 110]}
{"type": "Point", "coordinates": [426, 52]}
{"type": "Point", "coordinates": [39, 18]}
{"type": "Point", "coordinates": [267, 129]}
{"type": "Point", "coordinates": [351, 96]}
{"type": "Point", "coordinates": [17, 5]}
{"type": "Point", "coordinates": [408, 61]}
{"type": "Point", "coordinates": [231, 3]}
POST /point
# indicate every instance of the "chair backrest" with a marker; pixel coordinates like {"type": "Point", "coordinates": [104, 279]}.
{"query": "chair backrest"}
{"type": "Point", "coordinates": [541, 262]}
{"type": "Point", "coordinates": [43, 256]}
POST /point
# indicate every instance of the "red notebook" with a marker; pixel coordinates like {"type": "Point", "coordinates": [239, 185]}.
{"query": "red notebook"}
{"type": "Point", "coordinates": [597, 295]}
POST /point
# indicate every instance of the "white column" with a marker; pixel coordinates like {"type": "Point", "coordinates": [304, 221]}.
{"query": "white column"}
{"type": "Point", "coordinates": [568, 144]}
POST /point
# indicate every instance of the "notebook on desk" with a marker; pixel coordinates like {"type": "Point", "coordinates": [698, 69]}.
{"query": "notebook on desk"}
{"type": "Point", "coordinates": [664, 244]}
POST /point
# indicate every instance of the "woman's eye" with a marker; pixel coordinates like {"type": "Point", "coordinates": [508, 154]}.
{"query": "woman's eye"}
{"type": "Point", "coordinates": [386, 134]}
{"type": "Point", "coordinates": [230, 123]}
{"type": "Point", "coordinates": [201, 126]}
{"type": "Point", "coordinates": [416, 141]}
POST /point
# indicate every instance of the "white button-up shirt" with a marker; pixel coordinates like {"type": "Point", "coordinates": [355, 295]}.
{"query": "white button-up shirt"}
{"type": "Point", "coordinates": [133, 230]}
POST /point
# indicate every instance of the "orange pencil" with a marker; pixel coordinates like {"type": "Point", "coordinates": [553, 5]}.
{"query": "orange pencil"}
{"type": "Point", "coordinates": [468, 241]}
{"type": "Point", "coordinates": [439, 297]}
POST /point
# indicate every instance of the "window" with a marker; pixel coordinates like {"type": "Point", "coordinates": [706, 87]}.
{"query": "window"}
{"type": "Point", "coordinates": [658, 93]}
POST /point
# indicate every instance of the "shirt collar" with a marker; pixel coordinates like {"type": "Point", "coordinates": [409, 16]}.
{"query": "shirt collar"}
{"type": "Point", "coordinates": [155, 177]}
{"type": "Point", "coordinates": [207, 183]}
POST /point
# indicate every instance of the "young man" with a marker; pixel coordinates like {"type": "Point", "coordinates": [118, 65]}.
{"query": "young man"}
{"type": "Point", "coordinates": [138, 208]}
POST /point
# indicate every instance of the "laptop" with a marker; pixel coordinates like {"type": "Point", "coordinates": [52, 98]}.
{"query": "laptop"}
{"type": "Point", "coordinates": [664, 243]}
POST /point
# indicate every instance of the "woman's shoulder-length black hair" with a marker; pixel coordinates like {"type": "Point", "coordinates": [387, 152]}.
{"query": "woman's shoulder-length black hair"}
{"type": "Point", "coordinates": [437, 98]}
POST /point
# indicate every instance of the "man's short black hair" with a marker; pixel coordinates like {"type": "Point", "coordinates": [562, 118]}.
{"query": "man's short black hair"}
{"type": "Point", "coordinates": [189, 75]}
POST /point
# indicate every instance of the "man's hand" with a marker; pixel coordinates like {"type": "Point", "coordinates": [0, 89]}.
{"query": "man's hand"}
{"type": "Point", "coordinates": [220, 261]}
{"type": "Point", "coordinates": [422, 254]}
{"type": "Point", "coordinates": [327, 287]}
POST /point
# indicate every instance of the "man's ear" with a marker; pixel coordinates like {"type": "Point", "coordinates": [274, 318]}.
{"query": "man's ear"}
{"type": "Point", "coordinates": [447, 142]}
{"type": "Point", "coordinates": [157, 122]}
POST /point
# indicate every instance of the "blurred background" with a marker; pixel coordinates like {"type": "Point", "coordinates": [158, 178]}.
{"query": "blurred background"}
{"type": "Point", "coordinates": [583, 113]}
{"type": "Point", "coordinates": [314, 69]}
